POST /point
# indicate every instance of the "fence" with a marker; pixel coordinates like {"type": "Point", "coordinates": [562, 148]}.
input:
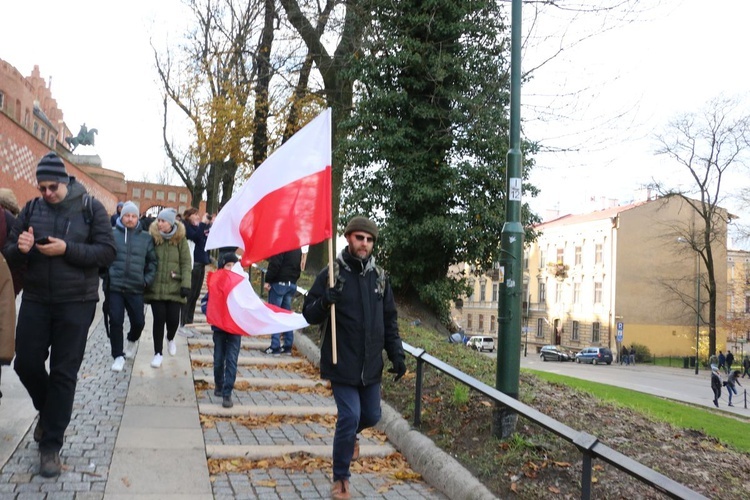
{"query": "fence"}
{"type": "Point", "coordinates": [588, 445]}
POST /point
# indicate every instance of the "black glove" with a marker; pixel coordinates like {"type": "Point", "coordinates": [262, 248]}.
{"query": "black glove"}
{"type": "Point", "coordinates": [332, 295]}
{"type": "Point", "coordinates": [399, 368]}
{"type": "Point", "coordinates": [184, 291]}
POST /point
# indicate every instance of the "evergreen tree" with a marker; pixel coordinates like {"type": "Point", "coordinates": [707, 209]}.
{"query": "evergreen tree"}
{"type": "Point", "coordinates": [427, 144]}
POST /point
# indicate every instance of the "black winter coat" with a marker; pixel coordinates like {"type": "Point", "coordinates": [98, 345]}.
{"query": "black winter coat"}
{"type": "Point", "coordinates": [286, 266]}
{"type": "Point", "coordinates": [135, 264]}
{"type": "Point", "coordinates": [366, 323]}
{"type": "Point", "coordinates": [72, 277]}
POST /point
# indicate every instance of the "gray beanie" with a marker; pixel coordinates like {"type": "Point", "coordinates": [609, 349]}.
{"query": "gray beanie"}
{"type": "Point", "coordinates": [51, 168]}
{"type": "Point", "coordinates": [360, 223]}
{"type": "Point", "coordinates": [129, 208]}
{"type": "Point", "coordinates": [168, 214]}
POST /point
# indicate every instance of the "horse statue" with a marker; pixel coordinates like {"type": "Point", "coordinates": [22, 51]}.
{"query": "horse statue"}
{"type": "Point", "coordinates": [85, 137]}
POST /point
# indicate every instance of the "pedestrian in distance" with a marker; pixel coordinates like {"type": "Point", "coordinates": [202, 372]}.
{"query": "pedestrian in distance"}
{"type": "Point", "coordinates": [731, 384]}
{"type": "Point", "coordinates": [746, 366]}
{"type": "Point", "coordinates": [226, 346]}
{"type": "Point", "coordinates": [716, 384]}
{"type": "Point", "coordinates": [632, 355]}
{"type": "Point", "coordinates": [7, 315]}
{"type": "Point", "coordinates": [722, 361]}
{"type": "Point", "coordinates": [366, 324]}
{"type": "Point", "coordinates": [196, 229]}
{"type": "Point", "coordinates": [283, 272]}
{"type": "Point", "coordinates": [116, 216]}
{"type": "Point", "coordinates": [171, 287]}
{"type": "Point", "coordinates": [713, 360]}
{"type": "Point", "coordinates": [125, 282]}
{"type": "Point", "coordinates": [62, 238]}
{"type": "Point", "coordinates": [729, 360]}
{"type": "Point", "coordinates": [9, 210]}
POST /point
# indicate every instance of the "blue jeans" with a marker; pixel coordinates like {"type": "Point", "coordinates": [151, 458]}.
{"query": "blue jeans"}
{"type": "Point", "coordinates": [118, 304]}
{"type": "Point", "coordinates": [731, 389]}
{"type": "Point", "coordinates": [358, 409]}
{"type": "Point", "coordinates": [282, 295]}
{"type": "Point", "coordinates": [226, 352]}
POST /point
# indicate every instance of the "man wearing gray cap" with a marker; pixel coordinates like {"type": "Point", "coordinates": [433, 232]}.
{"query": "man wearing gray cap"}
{"type": "Point", "coordinates": [62, 237]}
{"type": "Point", "coordinates": [366, 324]}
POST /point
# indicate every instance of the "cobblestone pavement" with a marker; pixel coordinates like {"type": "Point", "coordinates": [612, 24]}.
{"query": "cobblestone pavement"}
{"type": "Point", "coordinates": [89, 441]}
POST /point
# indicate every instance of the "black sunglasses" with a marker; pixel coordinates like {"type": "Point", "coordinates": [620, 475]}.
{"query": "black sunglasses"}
{"type": "Point", "coordinates": [52, 188]}
{"type": "Point", "coordinates": [362, 237]}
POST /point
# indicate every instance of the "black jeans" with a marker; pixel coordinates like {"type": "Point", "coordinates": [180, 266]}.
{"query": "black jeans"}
{"type": "Point", "coordinates": [196, 283]}
{"type": "Point", "coordinates": [58, 331]}
{"type": "Point", "coordinates": [167, 313]}
{"type": "Point", "coordinates": [118, 304]}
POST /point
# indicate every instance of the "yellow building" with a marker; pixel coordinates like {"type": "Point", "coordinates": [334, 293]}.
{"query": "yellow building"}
{"type": "Point", "coordinates": [738, 302]}
{"type": "Point", "coordinates": [627, 265]}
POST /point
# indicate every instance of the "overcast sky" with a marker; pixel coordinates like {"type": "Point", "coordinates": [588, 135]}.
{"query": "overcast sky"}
{"type": "Point", "coordinates": [671, 60]}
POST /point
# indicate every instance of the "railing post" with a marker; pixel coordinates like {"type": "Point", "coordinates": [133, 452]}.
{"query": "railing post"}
{"type": "Point", "coordinates": [418, 395]}
{"type": "Point", "coordinates": [585, 442]}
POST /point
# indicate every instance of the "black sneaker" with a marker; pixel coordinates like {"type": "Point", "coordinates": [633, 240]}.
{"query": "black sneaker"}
{"type": "Point", "coordinates": [286, 350]}
{"type": "Point", "coordinates": [217, 392]}
{"type": "Point", "coordinates": [50, 464]}
{"type": "Point", "coordinates": [227, 402]}
{"type": "Point", "coordinates": [275, 352]}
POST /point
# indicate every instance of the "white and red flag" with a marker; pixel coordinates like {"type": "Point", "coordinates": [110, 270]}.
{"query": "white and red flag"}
{"type": "Point", "coordinates": [234, 306]}
{"type": "Point", "coordinates": [286, 203]}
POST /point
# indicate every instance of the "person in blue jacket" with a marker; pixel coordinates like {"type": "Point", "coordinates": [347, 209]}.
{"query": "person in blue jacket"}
{"type": "Point", "coordinates": [196, 230]}
{"type": "Point", "coordinates": [132, 271]}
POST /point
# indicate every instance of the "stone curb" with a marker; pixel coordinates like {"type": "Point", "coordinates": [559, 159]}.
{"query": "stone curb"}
{"type": "Point", "coordinates": [437, 467]}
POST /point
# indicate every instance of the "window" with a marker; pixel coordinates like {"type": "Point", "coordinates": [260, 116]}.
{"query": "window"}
{"type": "Point", "coordinates": [576, 293]}
{"type": "Point", "coordinates": [526, 260]}
{"type": "Point", "coordinates": [468, 322]}
{"type": "Point", "coordinates": [558, 293]}
{"type": "Point", "coordinates": [560, 255]}
{"type": "Point", "coordinates": [541, 259]}
{"type": "Point", "coordinates": [598, 253]}
{"type": "Point", "coordinates": [160, 195]}
{"type": "Point", "coordinates": [494, 292]}
{"type": "Point", "coordinates": [597, 293]}
{"type": "Point", "coordinates": [136, 192]}
{"type": "Point", "coordinates": [2, 100]}
{"type": "Point", "coordinates": [172, 196]}
{"type": "Point", "coordinates": [43, 134]}
{"type": "Point", "coordinates": [492, 324]}
{"type": "Point", "coordinates": [595, 336]}
{"type": "Point", "coordinates": [481, 322]}
{"type": "Point", "coordinates": [539, 328]}
{"type": "Point", "coordinates": [183, 197]}
{"type": "Point", "coordinates": [576, 327]}
{"type": "Point", "coordinates": [578, 256]}
{"type": "Point", "coordinates": [36, 128]}
{"type": "Point", "coordinates": [542, 292]}
{"type": "Point", "coordinates": [747, 304]}
{"type": "Point", "coordinates": [482, 291]}
{"type": "Point", "coordinates": [148, 194]}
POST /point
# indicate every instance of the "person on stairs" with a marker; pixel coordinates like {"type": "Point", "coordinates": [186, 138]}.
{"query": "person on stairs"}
{"type": "Point", "coordinates": [132, 271]}
{"type": "Point", "coordinates": [171, 286]}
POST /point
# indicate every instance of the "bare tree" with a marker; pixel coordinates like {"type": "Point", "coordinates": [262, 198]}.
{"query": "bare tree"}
{"type": "Point", "coordinates": [706, 146]}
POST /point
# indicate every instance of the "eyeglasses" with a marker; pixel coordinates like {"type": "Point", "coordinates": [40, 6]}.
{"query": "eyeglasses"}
{"type": "Point", "coordinates": [52, 188]}
{"type": "Point", "coordinates": [362, 237]}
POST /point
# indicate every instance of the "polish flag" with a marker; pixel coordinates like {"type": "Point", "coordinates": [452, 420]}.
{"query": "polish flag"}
{"type": "Point", "coordinates": [286, 203]}
{"type": "Point", "coordinates": [234, 306]}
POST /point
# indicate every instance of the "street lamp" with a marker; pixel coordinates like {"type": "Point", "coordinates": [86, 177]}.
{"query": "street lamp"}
{"type": "Point", "coordinates": [697, 302]}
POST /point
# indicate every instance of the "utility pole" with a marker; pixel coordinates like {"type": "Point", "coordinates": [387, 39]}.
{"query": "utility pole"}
{"type": "Point", "coordinates": [509, 306]}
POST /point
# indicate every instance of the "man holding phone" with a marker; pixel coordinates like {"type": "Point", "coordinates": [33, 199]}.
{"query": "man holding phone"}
{"type": "Point", "coordinates": [62, 252]}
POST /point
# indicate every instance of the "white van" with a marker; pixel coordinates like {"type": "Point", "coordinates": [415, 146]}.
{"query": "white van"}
{"type": "Point", "coordinates": [481, 343]}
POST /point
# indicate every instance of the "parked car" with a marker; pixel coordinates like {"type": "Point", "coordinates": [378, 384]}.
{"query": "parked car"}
{"type": "Point", "coordinates": [594, 355]}
{"type": "Point", "coordinates": [481, 343]}
{"type": "Point", "coordinates": [554, 353]}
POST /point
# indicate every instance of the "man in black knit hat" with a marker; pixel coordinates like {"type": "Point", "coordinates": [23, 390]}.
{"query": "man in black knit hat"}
{"type": "Point", "coordinates": [63, 242]}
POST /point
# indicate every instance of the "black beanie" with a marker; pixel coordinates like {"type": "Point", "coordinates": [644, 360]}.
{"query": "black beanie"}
{"type": "Point", "coordinates": [51, 168]}
{"type": "Point", "coordinates": [360, 223]}
{"type": "Point", "coordinates": [227, 257]}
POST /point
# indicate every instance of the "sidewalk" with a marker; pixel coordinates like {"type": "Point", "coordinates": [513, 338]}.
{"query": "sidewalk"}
{"type": "Point", "coordinates": [147, 433]}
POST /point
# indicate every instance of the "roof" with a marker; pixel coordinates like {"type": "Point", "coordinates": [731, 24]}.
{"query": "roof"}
{"type": "Point", "coordinates": [607, 213]}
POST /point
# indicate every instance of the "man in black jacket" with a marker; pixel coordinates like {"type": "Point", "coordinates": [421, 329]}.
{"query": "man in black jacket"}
{"type": "Point", "coordinates": [366, 324]}
{"type": "Point", "coordinates": [63, 243]}
{"type": "Point", "coordinates": [281, 284]}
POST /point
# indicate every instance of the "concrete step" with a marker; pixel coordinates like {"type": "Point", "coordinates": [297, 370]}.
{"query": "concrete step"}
{"type": "Point", "coordinates": [246, 342]}
{"type": "Point", "coordinates": [280, 361]}
{"type": "Point", "coordinates": [260, 410]}
{"type": "Point", "coordinates": [267, 382]}
{"type": "Point", "coordinates": [259, 452]}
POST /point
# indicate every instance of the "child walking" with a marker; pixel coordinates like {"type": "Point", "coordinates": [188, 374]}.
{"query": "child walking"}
{"type": "Point", "coordinates": [226, 346]}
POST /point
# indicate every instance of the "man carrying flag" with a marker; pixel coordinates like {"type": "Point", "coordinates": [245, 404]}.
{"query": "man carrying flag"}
{"type": "Point", "coordinates": [366, 321]}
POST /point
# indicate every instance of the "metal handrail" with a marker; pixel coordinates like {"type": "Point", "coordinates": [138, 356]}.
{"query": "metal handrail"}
{"type": "Point", "coordinates": [588, 445]}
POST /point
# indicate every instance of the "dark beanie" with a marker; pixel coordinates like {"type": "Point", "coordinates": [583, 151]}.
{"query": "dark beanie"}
{"type": "Point", "coordinates": [227, 257]}
{"type": "Point", "coordinates": [51, 168]}
{"type": "Point", "coordinates": [360, 223]}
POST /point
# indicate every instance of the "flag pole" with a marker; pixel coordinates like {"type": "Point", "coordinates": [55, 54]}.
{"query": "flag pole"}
{"type": "Point", "coordinates": [331, 284]}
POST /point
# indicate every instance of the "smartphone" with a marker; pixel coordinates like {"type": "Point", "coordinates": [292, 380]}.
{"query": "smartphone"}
{"type": "Point", "coordinates": [42, 241]}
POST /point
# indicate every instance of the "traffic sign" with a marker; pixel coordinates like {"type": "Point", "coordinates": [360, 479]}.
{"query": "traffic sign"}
{"type": "Point", "coordinates": [620, 329]}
